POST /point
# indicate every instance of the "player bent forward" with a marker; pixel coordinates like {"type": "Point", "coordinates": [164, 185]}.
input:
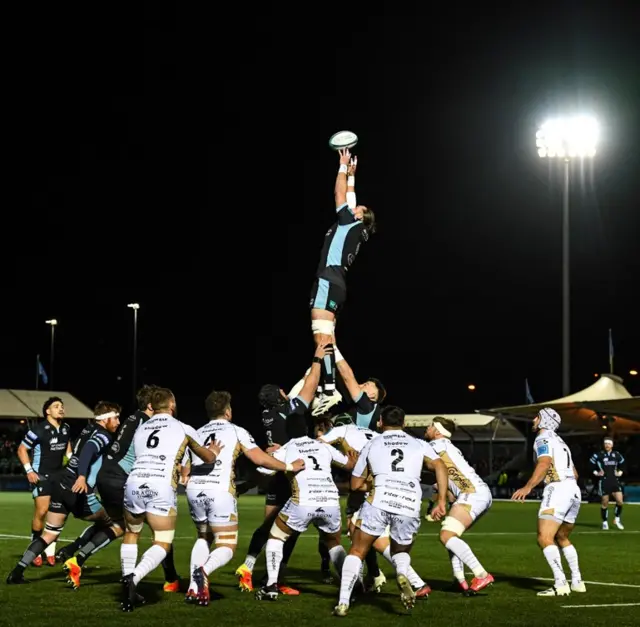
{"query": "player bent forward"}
{"type": "Point", "coordinates": [315, 500]}
{"type": "Point", "coordinates": [395, 459]}
{"type": "Point", "coordinates": [560, 505]}
{"type": "Point", "coordinates": [151, 489]}
{"type": "Point", "coordinates": [211, 492]}
{"type": "Point", "coordinates": [472, 500]}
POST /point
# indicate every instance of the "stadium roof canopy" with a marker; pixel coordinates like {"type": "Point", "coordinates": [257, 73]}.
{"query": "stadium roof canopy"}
{"type": "Point", "coordinates": [27, 404]}
{"type": "Point", "coordinates": [478, 427]}
{"type": "Point", "coordinates": [605, 404]}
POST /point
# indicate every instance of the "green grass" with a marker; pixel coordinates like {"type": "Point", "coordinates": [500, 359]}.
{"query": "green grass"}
{"type": "Point", "coordinates": [504, 541]}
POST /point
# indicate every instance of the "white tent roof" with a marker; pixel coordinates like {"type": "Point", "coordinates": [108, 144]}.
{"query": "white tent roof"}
{"type": "Point", "coordinates": [479, 427]}
{"type": "Point", "coordinates": [580, 411]}
{"type": "Point", "coordinates": [17, 404]}
{"type": "Point", "coordinates": [462, 420]}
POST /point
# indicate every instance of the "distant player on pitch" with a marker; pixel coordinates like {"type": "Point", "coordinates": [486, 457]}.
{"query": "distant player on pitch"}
{"type": "Point", "coordinates": [560, 502]}
{"type": "Point", "coordinates": [607, 467]}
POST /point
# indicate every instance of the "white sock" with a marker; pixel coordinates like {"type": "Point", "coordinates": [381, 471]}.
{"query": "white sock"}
{"type": "Point", "coordinates": [50, 550]}
{"type": "Point", "coordinates": [250, 562]}
{"type": "Point", "coordinates": [273, 552]}
{"type": "Point", "coordinates": [457, 566]}
{"type": "Point", "coordinates": [350, 573]}
{"type": "Point", "coordinates": [219, 557]}
{"type": "Point", "coordinates": [571, 555]}
{"type": "Point", "coordinates": [401, 562]}
{"type": "Point", "coordinates": [199, 555]}
{"type": "Point", "coordinates": [414, 579]}
{"type": "Point", "coordinates": [464, 553]}
{"type": "Point", "coordinates": [151, 559]}
{"type": "Point", "coordinates": [552, 553]}
{"type": "Point", "coordinates": [387, 555]}
{"type": "Point", "coordinates": [337, 556]}
{"type": "Point", "coordinates": [128, 558]}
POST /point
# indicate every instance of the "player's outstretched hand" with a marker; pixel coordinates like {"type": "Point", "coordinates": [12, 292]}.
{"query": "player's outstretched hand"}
{"type": "Point", "coordinates": [345, 156]}
{"type": "Point", "coordinates": [324, 348]}
{"type": "Point", "coordinates": [521, 494]}
{"type": "Point", "coordinates": [298, 465]}
{"type": "Point", "coordinates": [353, 165]}
{"type": "Point", "coordinates": [215, 446]}
{"type": "Point", "coordinates": [439, 511]}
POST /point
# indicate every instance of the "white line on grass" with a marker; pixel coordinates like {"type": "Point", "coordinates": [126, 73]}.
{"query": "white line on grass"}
{"type": "Point", "coordinates": [595, 583]}
{"type": "Point", "coordinates": [602, 605]}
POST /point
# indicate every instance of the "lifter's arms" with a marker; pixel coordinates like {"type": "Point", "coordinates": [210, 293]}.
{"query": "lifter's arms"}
{"type": "Point", "coordinates": [207, 454]}
{"type": "Point", "coordinates": [311, 381]}
{"type": "Point", "coordinates": [348, 377]}
{"type": "Point", "coordinates": [538, 475]}
{"type": "Point", "coordinates": [340, 190]}
{"type": "Point", "coordinates": [438, 467]}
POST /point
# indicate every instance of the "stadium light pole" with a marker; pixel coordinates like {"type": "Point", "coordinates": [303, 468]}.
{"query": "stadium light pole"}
{"type": "Point", "coordinates": [567, 138]}
{"type": "Point", "coordinates": [52, 323]}
{"type": "Point", "coordinates": [134, 367]}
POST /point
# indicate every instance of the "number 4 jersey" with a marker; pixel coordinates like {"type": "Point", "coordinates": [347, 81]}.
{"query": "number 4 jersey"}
{"type": "Point", "coordinates": [550, 444]}
{"type": "Point", "coordinates": [159, 445]}
{"type": "Point", "coordinates": [395, 459]}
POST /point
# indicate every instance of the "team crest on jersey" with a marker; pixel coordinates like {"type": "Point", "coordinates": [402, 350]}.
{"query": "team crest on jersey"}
{"type": "Point", "coordinates": [115, 447]}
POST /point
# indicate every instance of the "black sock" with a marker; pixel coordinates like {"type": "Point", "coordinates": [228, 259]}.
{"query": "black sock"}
{"type": "Point", "coordinates": [81, 540]}
{"type": "Point", "coordinates": [604, 512]}
{"type": "Point", "coordinates": [618, 511]}
{"type": "Point", "coordinates": [259, 538]}
{"type": "Point", "coordinates": [371, 560]}
{"type": "Point", "coordinates": [35, 534]}
{"type": "Point", "coordinates": [329, 372]}
{"type": "Point", "coordinates": [169, 567]}
{"type": "Point", "coordinates": [101, 538]}
{"type": "Point", "coordinates": [325, 563]}
{"type": "Point", "coordinates": [36, 548]}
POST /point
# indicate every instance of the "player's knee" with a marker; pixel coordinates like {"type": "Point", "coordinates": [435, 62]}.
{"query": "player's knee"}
{"type": "Point", "coordinates": [323, 328]}
{"type": "Point", "coordinates": [278, 534]}
{"type": "Point", "coordinates": [135, 528]}
{"type": "Point", "coordinates": [52, 530]}
{"type": "Point", "coordinates": [451, 527]}
{"type": "Point", "coordinates": [164, 536]}
{"type": "Point", "coordinates": [226, 538]}
{"type": "Point", "coordinates": [545, 540]}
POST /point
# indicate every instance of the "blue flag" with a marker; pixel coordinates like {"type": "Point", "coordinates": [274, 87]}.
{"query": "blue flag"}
{"type": "Point", "coordinates": [42, 372]}
{"type": "Point", "coordinates": [527, 392]}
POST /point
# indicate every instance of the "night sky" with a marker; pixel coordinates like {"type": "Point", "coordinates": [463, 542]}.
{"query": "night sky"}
{"type": "Point", "coordinates": [180, 160]}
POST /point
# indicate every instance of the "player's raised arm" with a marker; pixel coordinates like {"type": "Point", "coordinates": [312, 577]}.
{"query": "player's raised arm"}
{"type": "Point", "coordinates": [340, 190]}
{"type": "Point", "coordinates": [311, 381]}
{"type": "Point", "coordinates": [348, 377]}
{"type": "Point", "coordinates": [351, 183]}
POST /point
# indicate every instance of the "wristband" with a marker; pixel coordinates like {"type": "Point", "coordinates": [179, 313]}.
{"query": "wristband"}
{"type": "Point", "coordinates": [317, 360]}
{"type": "Point", "coordinates": [27, 468]}
{"type": "Point", "coordinates": [288, 467]}
{"type": "Point", "coordinates": [595, 472]}
{"type": "Point", "coordinates": [342, 169]}
{"type": "Point", "coordinates": [338, 354]}
{"type": "Point", "coordinates": [351, 181]}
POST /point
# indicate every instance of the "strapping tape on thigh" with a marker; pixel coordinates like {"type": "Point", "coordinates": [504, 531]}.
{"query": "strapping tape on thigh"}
{"type": "Point", "coordinates": [225, 537]}
{"type": "Point", "coordinates": [453, 525]}
{"type": "Point", "coordinates": [323, 327]}
{"type": "Point", "coordinates": [165, 536]}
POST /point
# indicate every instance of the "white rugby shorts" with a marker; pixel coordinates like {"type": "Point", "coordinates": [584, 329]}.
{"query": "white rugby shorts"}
{"type": "Point", "coordinates": [476, 503]}
{"type": "Point", "coordinates": [326, 518]}
{"type": "Point", "coordinates": [561, 501]}
{"type": "Point", "coordinates": [209, 504]}
{"type": "Point", "coordinates": [146, 497]}
{"type": "Point", "coordinates": [374, 521]}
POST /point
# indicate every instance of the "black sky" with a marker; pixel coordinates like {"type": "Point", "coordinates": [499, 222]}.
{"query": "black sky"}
{"type": "Point", "coordinates": [149, 166]}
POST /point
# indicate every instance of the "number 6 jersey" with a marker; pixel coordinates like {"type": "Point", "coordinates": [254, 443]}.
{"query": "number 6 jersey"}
{"type": "Point", "coordinates": [395, 459]}
{"type": "Point", "coordinates": [159, 446]}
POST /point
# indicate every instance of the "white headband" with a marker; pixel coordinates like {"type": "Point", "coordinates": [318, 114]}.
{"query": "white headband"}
{"type": "Point", "coordinates": [109, 414]}
{"type": "Point", "coordinates": [608, 440]}
{"type": "Point", "coordinates": [441, 430]}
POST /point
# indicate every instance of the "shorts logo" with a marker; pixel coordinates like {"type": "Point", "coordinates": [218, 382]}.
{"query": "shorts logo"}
{"type": "Point", "coordinates": [332, 304]}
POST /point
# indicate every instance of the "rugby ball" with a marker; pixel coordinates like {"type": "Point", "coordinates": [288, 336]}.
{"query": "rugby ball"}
{"type": "Point", "coordinates": [343, 139]}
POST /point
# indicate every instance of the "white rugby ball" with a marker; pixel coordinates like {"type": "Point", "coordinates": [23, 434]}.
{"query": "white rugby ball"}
{"type": "Point", "coordinates": [343, 139]}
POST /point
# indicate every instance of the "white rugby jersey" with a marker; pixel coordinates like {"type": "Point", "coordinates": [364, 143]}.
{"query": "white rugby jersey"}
{"type": "Point", "coordinates": [314, 485]}
{"type": "Point", "coordinates": [550, 444]}
{"type": "Point", "coordinates": [395, 459]}
{"type": "Point", "coordinates": [221, 473]}
{"type": "Point", "coordinates": [349, 437]}
{"type": "Point", "coordinates": [159, 446]}
{"type": "Point", "coordinates": [463, 479]}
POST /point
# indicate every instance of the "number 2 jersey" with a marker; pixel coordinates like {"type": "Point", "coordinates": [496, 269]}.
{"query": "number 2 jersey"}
{"type": "Point", "coordinates": [395, 459]}
{"type": "Point", "coordinates": [550, 444]}
{"type": "Point", "coordinates": [159, 446]}
{"type": "Point", "coordinates": [313, 486]}
{"type": "Point", "coordinates": [220, 474]}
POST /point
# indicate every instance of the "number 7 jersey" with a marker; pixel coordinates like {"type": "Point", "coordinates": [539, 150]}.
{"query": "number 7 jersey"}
{"type": "Point", "coordinates": [550, 444]}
